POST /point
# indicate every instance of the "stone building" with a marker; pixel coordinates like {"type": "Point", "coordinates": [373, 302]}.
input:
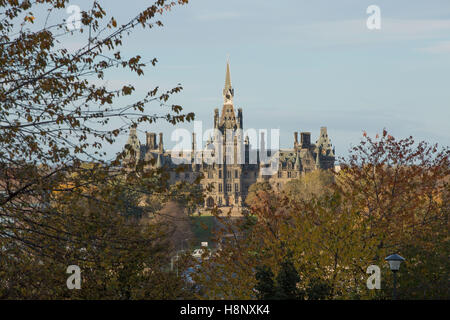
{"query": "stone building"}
{"type": "Point", "coordinates": [229, 163]}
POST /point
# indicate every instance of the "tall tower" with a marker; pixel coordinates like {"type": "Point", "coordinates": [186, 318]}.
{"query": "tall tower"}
{"type": "Point", "coordinates": [230, 126]}
{"type": "Point", "coordinates": [133, 154]}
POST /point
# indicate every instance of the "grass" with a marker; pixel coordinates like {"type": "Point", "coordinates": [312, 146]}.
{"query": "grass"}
{"type": "Point", "coordinates": [202, 227]}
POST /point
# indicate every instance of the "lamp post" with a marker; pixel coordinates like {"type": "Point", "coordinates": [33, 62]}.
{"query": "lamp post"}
{"type": "Point", "coordinates": [176, 261]}
{"type": "Point", "coordinates": [394, 264]}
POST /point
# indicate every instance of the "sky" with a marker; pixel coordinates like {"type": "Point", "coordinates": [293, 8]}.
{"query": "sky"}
{"type": "Point", "coordinates": [297, 65]}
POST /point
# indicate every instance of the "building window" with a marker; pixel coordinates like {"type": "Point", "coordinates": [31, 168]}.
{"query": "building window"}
{"type": "Point", "coordinates": [220, 187]}
{"type": "Point", "coordinates": [220, 174]}
{"type": "Point", "coordinates": [220, 201]}
{"type": "Point", "coordinates": [280, 174]}
{"type": "Point", "coordinates": [235, 174]}
{"type": "Point", "coordinates": [228, 187]}
{"type": "Point", "coordinates": [229, 174]}
{"type": "Point", "coordinates": [289, 174]}
{"type": "Point", "coordinates": [236, 187]}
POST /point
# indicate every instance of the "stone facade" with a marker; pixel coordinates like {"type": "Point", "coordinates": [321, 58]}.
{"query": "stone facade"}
{"type": "Point", "coordinates": [240, 165]}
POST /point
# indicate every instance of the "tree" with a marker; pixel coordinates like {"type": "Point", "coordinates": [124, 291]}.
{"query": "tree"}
{"type": "Point", "coordinates": [287, 280]}
{"type": "Point", "coordinates": [313, 183]}
{"type": "Point", "coordinates": [55, 117]}
{"type": "Point", "coordinates": [285, 286]}
{"type": "Point", "coordinates": [53, 114]}
{"type": "Point", "coordinates": [390, 196]}
{"type": "Point", "coordinates": [265, 286]}
{"type": "Point", "coordinates": [398, 187]}
{"type": "Point", "coordinates": [319, 289]}
{"type": "Point", "coordinates": [119, 257]}
{"type": "Point", "coordinates": [254, 190]}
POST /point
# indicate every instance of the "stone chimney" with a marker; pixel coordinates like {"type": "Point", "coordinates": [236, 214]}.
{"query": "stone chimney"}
{"type": "Point", "coordinates": [151, 140]}
{"type": "Point", "coordinates": [295, 140]}
{"type": "Point", "coordinates": [239, 118]}
{"type": "Point", "coordinates": [305, 139]}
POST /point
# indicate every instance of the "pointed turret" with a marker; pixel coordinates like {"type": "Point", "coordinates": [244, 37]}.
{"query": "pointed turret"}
{"type": "Point", "coordinates": [324, 142]}
{"type": "Point", "coordinates": [159, 161]}
{"type": "Point", "coordinates": [318, 158]}
{"type": "Point", "coordinates": [297, 162]}
{"type": "Point", "coordinates": [228, 91]}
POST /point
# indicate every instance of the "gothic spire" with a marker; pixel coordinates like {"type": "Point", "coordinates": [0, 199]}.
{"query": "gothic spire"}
{"type": "Point", "coordinates": [228, 91]}
{"type": "Point", "coordinates": [228, 117]}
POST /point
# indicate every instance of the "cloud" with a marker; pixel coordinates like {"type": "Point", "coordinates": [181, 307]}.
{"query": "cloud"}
{"type": "Point", "coordinates": [438, 48]}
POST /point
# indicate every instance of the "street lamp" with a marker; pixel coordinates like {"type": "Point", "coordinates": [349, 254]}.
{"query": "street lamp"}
{"type": "Point", "coordinates": [394, 264]}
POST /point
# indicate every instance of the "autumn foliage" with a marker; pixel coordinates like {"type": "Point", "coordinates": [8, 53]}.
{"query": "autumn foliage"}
{"type": "Point", "coordinates": [391, 196]}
